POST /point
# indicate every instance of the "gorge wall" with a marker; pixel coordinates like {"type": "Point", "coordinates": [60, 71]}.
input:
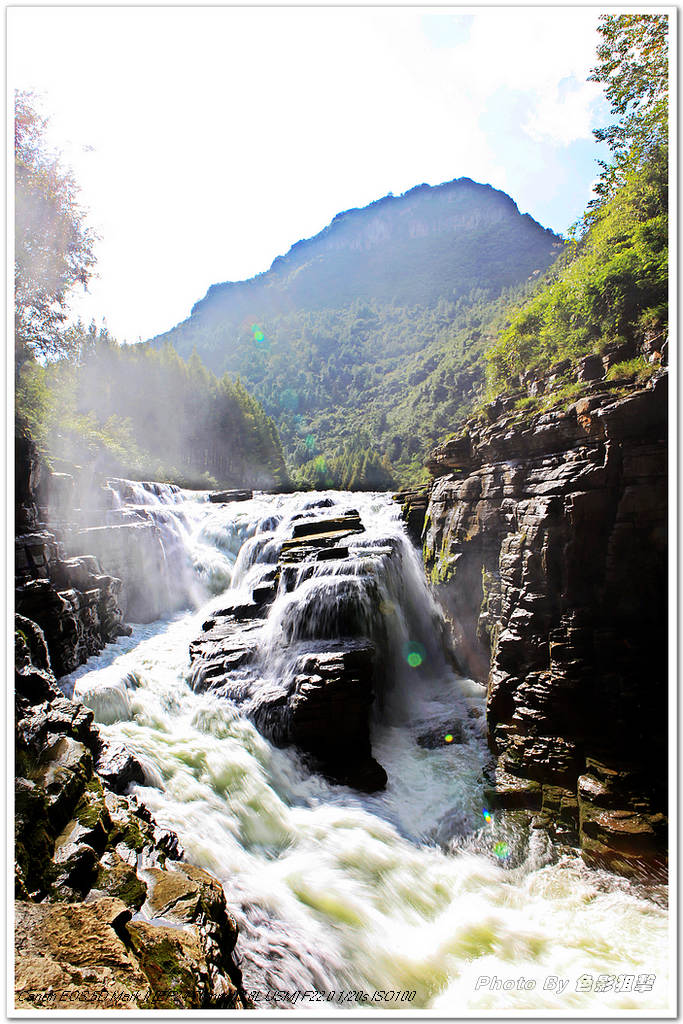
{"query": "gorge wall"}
{"type": "Point", "coordinates": [546, 540]}
{"type": "Point", "coordinates": [108, 913]}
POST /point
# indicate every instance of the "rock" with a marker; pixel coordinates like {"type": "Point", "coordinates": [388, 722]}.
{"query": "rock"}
{"type": "Point", "coordinates": [413, 510]}
{"type": "Point", "coordinates": [81, 849]}
{"type": "Point", "coordinates": [117, 767]}
{"type": "Point", "coordinates": [234, 495]}
{"type": "Point", "coordinates": [545, 539]}
{"type": "Point", "coordinates": [326, 712]}
{"type": "Point", "coordinates": [178, 973]}
{"type": "Point", "coordinates": [590, 368]}
{"type": "Point", "coordinates": [72, 956]}
{"type": "Point", "coordinates": [511, 793]}
{"type": "Point", "coordinates": [64, 770]}
{"type": "Point", "coordinates": [322, 703]}
{"type": "Point", "coordinates": [119, 879]}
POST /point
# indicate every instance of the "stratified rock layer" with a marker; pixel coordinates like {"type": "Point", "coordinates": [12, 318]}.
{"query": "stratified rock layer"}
{"type": "Point", "coordinates": [108, 915]}
{"type": "Point", "coordinates": [546, 540]}
{"type": "Point", "coordinates": [320, 699]}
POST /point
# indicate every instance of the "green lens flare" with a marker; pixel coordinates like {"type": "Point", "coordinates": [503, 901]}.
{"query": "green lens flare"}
{"type": "Point", "coordinates": [502, 851]}
{"type": "Point", "coordinates": [414, 654]}
{"type": "Point", "coordinates": [448, 738]}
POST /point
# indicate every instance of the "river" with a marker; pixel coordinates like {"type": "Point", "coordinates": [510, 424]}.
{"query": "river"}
{"type": "Point", "coordinates": [415, 897]}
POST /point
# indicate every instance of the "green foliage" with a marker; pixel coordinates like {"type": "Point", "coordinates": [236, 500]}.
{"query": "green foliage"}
{"type": "Point", "coordinates": [148, 414]}
{"type": "Point", "coordinates": [633, 66]}
{"type": "Point", "coordinates": [401, 377]}
{"type": "Point", "coordinates": [611, 287]}
{"type": "Point", "coordinates": [376, 339]}
{"type": "Point", "coordinates": [636, 369]}
{"type": "Point", "coordinates": [611, 284]}
{"type": "Point", "coordinates": [53, 246]}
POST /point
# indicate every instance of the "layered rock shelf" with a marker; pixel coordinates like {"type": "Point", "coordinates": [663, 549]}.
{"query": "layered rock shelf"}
{"type": "Point", "coordinates": [546, 541]}
{"type": "Point", "coordinates": [319, 698]}
{"type": "Point", "coordinates": [108, 914]}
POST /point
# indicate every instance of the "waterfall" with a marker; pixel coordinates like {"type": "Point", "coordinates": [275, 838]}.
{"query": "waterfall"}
{"type": "Point", "coordinates": [411, 892]}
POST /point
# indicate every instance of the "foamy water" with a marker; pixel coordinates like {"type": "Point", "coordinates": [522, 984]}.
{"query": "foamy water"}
{"type": "Point", "coordinates": [409, 890]}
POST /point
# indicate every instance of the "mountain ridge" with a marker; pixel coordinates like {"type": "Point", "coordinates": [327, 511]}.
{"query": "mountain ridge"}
{"type": "Point", "coordinates": [348, 221]}
{"type": "Point", "coordinates": [368, 337]}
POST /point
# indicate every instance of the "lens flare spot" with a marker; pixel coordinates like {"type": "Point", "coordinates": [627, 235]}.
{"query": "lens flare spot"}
{"type": "Point", "coordinates": [414, 654]}
{"type": "Point", "coordinates": [488, 817]}
{"type": "Point", "coordinates": [310, 442]}
{"type": "Point", "coordinates": [448, 738]}
{"type": "Point", "coordinates": [502, 851]}
{"type": "Point", "coordinates": [258, 334]}
{"type": "Point", "coordinates": [387, 608]}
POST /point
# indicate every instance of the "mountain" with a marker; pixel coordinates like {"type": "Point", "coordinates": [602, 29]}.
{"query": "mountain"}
{"type": "Point", "coordinates": [365, 342]}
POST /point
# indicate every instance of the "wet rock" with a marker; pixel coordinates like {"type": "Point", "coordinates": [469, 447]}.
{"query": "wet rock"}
{"type": "Point", "coordinates": [178, 972]}
{"type": "Point", "coordinates": [117, 767]}
{"type": "Point", "coordinates": [413, 511]}
{"type": "Point", "coordinates": [233, 495]}
{"type": "Point", "coordinates": [545, 540]}
{"type": "Point", "coordinates": [307, 527]}
{"type": "Point", "coordinates": [64, 769]}
{"type": "Point", "coordinates": [321, 704]}
{"type": "Point", "coordinates": [118, 878]}
{"type": "Point", "coordinates": [325, 712]}
{"type": "Point", "coordinates": [510, 792]}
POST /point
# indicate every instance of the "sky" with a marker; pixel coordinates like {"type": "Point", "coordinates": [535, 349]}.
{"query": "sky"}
{"type": "Point", "coordinates": [208, 140]}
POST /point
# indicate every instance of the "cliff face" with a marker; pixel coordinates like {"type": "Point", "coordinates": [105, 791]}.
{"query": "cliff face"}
{"type": "Point", "coordinates": [108, 914]}
{"type": "Point", "coordinates": [546, 540]}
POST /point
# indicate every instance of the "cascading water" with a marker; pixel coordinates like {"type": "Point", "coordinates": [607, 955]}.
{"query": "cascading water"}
{"type": "Point", "coordinates": [410, 896]}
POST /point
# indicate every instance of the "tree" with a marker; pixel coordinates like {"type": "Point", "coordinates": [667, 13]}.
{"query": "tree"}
{"type": "Point", "coordinates": [634, 67]}
{"type": "Point", "coordinates": [53, 245]}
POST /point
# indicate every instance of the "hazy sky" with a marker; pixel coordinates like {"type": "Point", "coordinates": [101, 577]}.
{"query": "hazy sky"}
{"type": "Point", "coordinates": [208, 140]}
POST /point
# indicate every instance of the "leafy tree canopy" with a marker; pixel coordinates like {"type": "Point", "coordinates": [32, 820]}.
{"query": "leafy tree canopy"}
{"type": "Point", "coordinates": [634, 68]}
{"type": "Point", "coordinates": [611, 284]}
{"type": "Point", "coordinates": [53, 245]}
{"type": "Point", "coordinates": [132, 411]}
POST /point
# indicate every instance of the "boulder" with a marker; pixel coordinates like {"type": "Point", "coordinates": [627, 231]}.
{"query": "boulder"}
{"type": "Point", "coordinates": [73, 956]}
{"type": "Point", "coordinates": [234, 495]}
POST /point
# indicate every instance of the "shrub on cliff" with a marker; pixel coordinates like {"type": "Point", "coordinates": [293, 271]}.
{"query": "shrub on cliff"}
{"type": "Point", "coordinates": [611, 284]}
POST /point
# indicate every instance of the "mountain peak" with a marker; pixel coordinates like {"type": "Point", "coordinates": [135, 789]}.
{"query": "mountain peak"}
{"type": "Point", "coordinates": [389, 243]}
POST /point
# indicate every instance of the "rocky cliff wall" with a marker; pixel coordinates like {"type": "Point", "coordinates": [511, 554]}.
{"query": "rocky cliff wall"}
{"type": "Point", "coordinates": [108, 914]}
{"type": "Point", "coordinates": [76, 604]}
{"type": "Point", "coordinates": [546, 541]}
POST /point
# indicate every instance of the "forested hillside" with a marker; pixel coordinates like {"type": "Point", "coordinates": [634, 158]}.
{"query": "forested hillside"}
{"type": "Point", "coordinates": [84, 399]}
{"type": "Point", "coordinates": [365, 343]}
{"type": "Point", "coordinates": [133, 411]}
{"type": "Point", "coordinates": [610, 286]}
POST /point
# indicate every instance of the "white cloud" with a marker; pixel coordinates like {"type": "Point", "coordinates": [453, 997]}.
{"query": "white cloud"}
{"type": "Point", "coordinates": [563, 115]}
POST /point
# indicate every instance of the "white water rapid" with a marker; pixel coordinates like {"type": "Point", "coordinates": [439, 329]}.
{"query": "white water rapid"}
{"type": "Point", "coordinates": [410, 896]}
